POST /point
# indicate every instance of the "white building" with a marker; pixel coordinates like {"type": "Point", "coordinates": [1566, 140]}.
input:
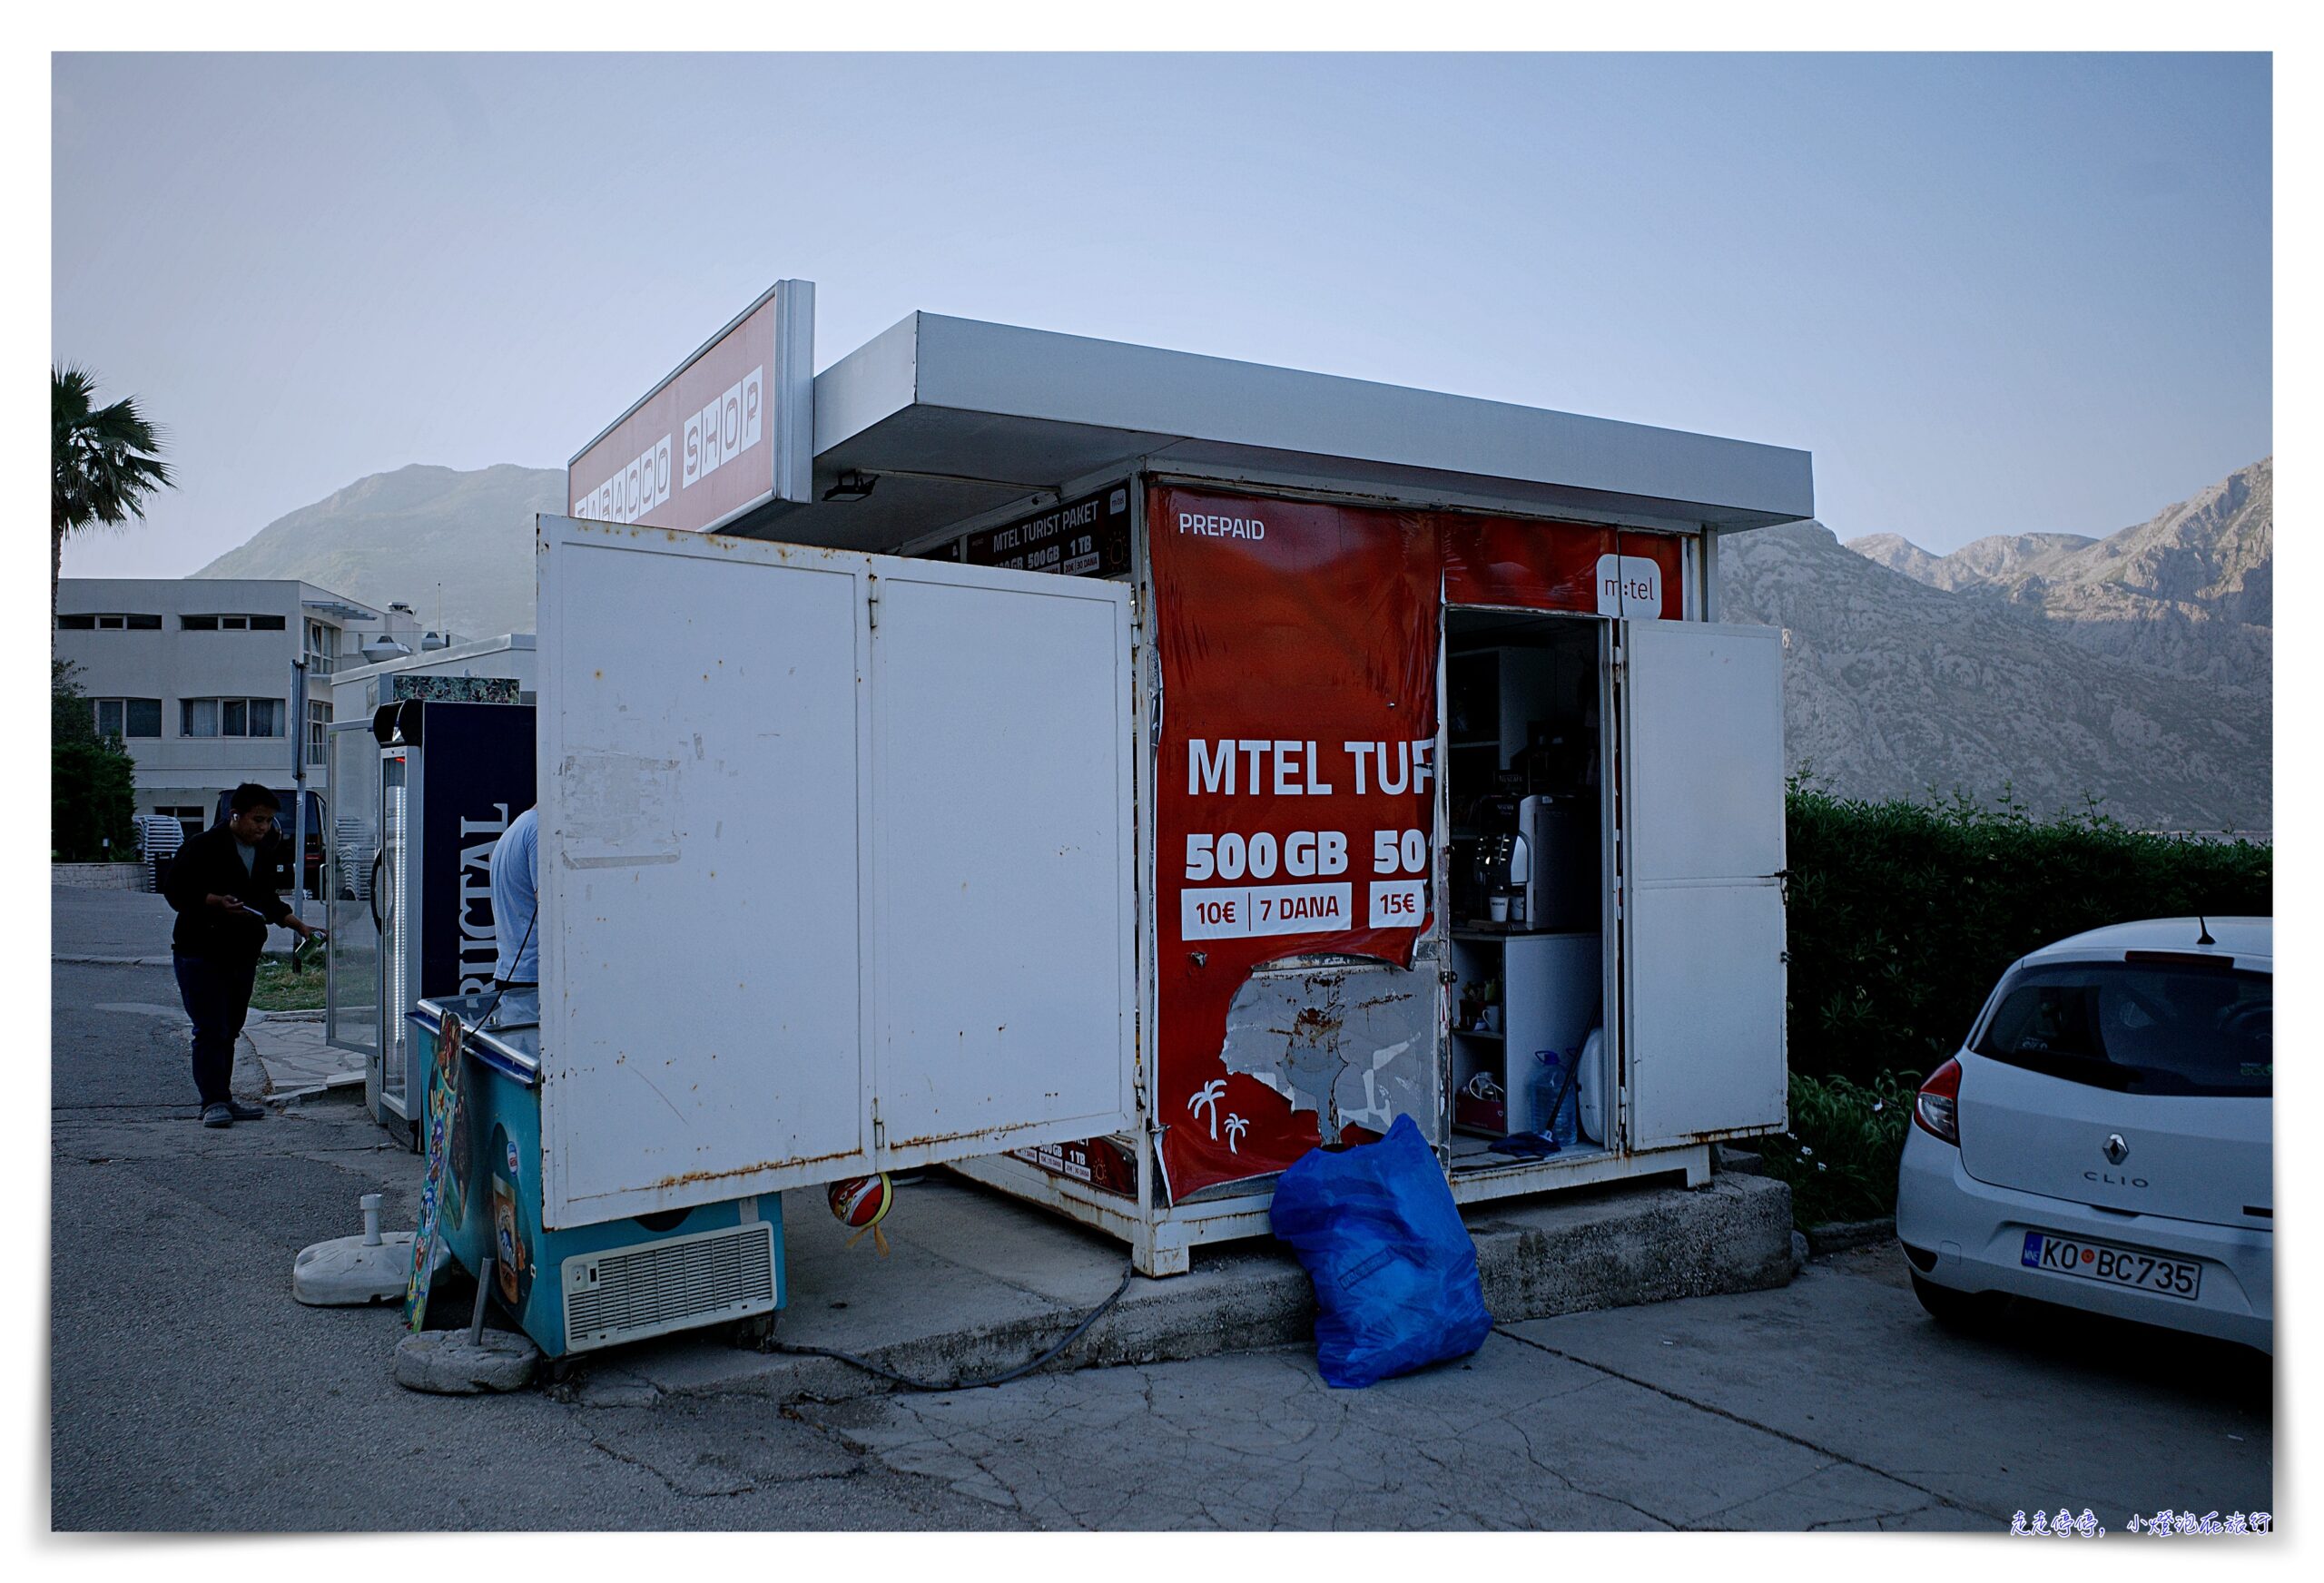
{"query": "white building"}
{"type": "Point", "coordinates": [195, 675]}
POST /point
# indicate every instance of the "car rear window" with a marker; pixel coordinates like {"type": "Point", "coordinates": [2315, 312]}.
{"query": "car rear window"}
{"type": "Point", "coordinates": [2142, 1027]}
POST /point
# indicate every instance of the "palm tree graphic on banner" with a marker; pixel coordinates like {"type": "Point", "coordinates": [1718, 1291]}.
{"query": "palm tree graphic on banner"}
{"type": "Point", "coordinates": [1207, 1098]}
{"type": "Point", "coordinates": [1235, 1127]}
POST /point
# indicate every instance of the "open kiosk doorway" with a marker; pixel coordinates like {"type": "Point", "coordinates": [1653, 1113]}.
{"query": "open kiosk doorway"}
{"type": "Point", "coordinates": [1528, 771]}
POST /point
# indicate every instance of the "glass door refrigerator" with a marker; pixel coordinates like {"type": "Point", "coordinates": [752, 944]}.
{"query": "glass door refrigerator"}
{"type": "Point", "coordinates": [352, 882]}
{"type": "Point", "coordinates": [413, 896]}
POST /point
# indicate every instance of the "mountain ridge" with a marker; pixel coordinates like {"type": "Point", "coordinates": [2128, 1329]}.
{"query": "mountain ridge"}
{"type": "Point", "coordinates": [2190, 592]}
{"type": "Point", "coordinates": [1894, 688]}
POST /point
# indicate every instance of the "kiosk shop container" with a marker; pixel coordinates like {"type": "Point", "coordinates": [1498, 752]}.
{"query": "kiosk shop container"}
{"type": "Point", "coordinates": [1120, 772]}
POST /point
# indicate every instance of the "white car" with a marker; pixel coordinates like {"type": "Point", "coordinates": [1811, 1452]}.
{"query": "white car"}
{"type": "Point", "coordinates": [2104, 1140]}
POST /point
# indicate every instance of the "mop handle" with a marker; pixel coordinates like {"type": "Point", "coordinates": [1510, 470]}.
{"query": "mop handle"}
{"type": "Point", "coordinates": [262, 917]}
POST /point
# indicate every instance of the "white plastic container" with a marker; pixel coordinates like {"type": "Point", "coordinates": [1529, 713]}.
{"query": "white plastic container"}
{"type": "Point", "coordinates": [1593, 1087]}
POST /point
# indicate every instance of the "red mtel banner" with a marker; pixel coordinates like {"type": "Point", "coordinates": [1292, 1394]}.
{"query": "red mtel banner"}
{"type": "Point", "coordinates": [1296, 785]}
{"type": "Point", "coordinates": [1561, 566]}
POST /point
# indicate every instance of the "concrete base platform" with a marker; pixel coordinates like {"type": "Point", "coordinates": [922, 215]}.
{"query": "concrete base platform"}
{"type": "Point", "coordinates": [981, 1282]}
{"type": "Point", "coordinates": [444, 1362]}
{"type": "Point", "coordinates": [349, 1273]}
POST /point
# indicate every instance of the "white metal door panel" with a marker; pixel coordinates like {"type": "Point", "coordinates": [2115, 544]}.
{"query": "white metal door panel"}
{"type": "Point", "coordinates": [1704, 712]}
{"type": "Point", "coordinates": [1003, 841]}
{"type": "Point", "coordinates": [1702, 838]}
{"type": "Point", "coordinates": [1706, 1011]}
{"type": "Point", "coordinates": [700, 717]}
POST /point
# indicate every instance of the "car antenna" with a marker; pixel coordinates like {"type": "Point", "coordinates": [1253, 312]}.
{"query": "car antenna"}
{"type": "Point", "coordinates": [2204, 937]}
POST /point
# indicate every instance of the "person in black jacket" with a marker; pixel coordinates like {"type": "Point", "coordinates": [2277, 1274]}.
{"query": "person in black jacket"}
{"type": "Point", "coordinates": [225, 896]}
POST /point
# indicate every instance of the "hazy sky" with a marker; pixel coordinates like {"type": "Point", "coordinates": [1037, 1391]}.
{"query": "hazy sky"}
{"type": "Point", "coordinates": [1990, 294]}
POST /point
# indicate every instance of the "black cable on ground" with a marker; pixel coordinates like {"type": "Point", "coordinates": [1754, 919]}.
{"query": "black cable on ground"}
{"type": "Point", "coordinates": [934, 1386]}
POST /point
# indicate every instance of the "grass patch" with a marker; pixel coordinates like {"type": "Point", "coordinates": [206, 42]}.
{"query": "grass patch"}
{"type": "Point", "coordinates": [279, 988]}
{"type": "Point", "coordinates": [1840, 1156]}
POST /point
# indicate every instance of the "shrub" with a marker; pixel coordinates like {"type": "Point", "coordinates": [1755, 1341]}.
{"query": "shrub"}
{"type": "Point", "coordinates": [1840, 1155]}
{"type": "Point", "coordinates": [1903, 915]}
{"type": "Point", "coordinates": [93, 795]}
{"type": "Point", "coordinates": [92, 781]}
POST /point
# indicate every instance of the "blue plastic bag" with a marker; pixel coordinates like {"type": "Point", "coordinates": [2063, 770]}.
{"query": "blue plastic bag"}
{"type": "Point", "coordinates": [1395, 1273]}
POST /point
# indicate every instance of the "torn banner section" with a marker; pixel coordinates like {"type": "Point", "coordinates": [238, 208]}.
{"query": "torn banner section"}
{"type": "Point", "coordinates": [1352, 1044]}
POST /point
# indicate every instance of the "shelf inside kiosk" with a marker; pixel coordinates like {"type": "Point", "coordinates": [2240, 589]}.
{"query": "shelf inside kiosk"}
{"type": "Point", "coordinates": [1525, 737]}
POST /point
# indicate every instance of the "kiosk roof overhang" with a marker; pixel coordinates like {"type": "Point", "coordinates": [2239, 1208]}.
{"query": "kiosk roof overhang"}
{"type": "Point", "coordinates": [957, 419]}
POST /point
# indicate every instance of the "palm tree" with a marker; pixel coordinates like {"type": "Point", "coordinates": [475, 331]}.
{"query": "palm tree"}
{"type": "Point", "coordinates": [105, 462]}
{"type": "Point", "coordinates": [1235, 1126]}
{"type": "Point", "coordinates": [1207, 1098]}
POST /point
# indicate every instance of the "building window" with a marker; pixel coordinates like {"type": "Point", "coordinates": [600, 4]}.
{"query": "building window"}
{"type": "Point", "coordinates": [318, 731]}
{"type": "Point", "coordinates": [109, 622]}
{"type": "Point", "coordinates": [230, 717]}
{"type": "Point", "coordinates": [127, 717]}
{"type": "Point", "coordinates": [322, 648]}
{"type": "Point", "coordinates": [230, 624]}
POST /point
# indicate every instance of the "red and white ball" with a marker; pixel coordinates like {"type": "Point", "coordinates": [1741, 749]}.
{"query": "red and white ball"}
{"type": "Point", "coordinates": [863, 1201]}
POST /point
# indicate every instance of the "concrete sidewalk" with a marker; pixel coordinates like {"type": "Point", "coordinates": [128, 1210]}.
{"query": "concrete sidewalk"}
{"type": "Point", "coordinates": [979, 1284]}
{"type": "Point", "coordinates": [291, 1058]}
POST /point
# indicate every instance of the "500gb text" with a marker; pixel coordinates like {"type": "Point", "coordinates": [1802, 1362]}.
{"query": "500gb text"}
{"type": "Point", "coordinates": [1303, 853]}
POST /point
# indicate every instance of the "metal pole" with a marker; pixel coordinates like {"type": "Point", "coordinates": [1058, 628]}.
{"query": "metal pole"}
{"type": "Point", "coordinates": [483, 1295]}
{"type": "Point", "coordinates": [299, 779]}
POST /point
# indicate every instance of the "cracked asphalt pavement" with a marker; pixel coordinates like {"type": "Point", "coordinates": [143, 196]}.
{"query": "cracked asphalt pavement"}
{"type": "Point", "coordinates": [189, 1392]}
{"type": "Point", "coordinates": [1833, 1403]}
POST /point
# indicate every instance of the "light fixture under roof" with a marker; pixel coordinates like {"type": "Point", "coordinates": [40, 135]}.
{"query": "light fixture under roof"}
{"type": "Point", "coordinates": [851, 486]}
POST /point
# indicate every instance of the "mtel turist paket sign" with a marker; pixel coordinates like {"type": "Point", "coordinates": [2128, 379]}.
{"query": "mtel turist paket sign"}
{"type": "Point", "coordinates": [731, 429]}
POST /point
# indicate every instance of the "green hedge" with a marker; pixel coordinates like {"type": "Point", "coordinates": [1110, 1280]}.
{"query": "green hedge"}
{"type": "Point", "coordinates": [1903, 914]}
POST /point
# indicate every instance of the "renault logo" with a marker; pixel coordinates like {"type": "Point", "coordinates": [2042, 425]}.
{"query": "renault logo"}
{"type": "Point", "coordinates": [2117, 1151]}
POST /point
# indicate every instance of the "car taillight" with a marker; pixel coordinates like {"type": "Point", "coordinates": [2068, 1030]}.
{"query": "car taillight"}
{"type": "Point", "coordinates": [1935, 1109]}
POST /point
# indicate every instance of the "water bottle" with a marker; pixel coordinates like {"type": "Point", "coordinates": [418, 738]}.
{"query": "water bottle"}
{"type": "Point", "coordinates": [1541, 1092]}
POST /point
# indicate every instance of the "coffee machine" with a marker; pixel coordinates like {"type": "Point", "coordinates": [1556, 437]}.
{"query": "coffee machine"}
{"type": "Point", "coordinates": [1494, 892]}
{"type": "Point", "coordinates": [1554, 863]}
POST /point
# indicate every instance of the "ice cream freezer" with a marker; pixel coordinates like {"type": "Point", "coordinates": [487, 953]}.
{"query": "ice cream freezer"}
{"type": "Point", "coordinates": [1114, 774]}
{"type": "Point", "coordinates": [583, 1287]}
